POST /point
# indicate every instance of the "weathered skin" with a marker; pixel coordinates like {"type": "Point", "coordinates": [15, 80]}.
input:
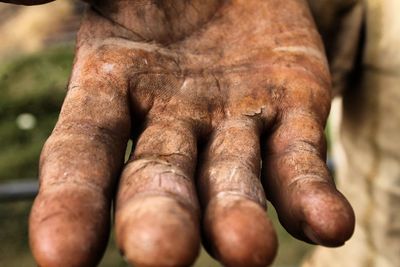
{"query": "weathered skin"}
{"type": "Point", "coordinates": [209, 88]}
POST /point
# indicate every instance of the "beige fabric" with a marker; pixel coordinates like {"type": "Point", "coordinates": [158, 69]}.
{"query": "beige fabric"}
{"type": "Point", "coordinates": [26, 29]}
{"type": "Point", "coordinates": [368, 147]}
{"type": "Point", "coordinates": [339, 22]}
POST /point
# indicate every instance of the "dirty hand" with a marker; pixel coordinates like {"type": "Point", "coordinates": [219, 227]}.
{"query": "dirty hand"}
{"type": "Point", "coordinates": [209, 91]}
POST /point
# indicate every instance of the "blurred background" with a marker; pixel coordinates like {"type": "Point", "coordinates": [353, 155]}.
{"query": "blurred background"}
{"type": "Point", "coordinates": [36, 54]}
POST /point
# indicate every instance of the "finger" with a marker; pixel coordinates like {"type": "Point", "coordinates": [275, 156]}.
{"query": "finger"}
{"type": "Point", "coordinates": [235, 221]}
{"type": "Point", "coordinates": [299, 185]}
{"type": "Point", "coordinates": [69, 222]}
{"type": "Point", "coordinates": [157, 210]}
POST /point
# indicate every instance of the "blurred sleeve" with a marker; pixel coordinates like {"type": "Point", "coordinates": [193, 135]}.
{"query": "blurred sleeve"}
{"type": "Point", "coordinates": [340, 24]}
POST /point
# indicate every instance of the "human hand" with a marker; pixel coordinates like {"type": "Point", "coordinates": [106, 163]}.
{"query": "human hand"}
{"type": "Point", "coordinates": [206, 89]}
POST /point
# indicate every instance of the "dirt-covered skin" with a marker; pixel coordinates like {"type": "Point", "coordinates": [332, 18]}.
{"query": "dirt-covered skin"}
{"type": "Point", "coordinates": [209, 88]}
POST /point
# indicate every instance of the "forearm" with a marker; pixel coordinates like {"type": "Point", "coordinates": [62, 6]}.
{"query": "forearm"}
{"type": "Point", "coordinates": [27, 2]}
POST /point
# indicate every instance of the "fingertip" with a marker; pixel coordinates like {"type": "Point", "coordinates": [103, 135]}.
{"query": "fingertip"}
{"type": "Point", "coordinates": [329, 219]}
{"type": "Point", "coordinates": [50, 252]}
{"type": "Point", "coordinates": [240, 232]}
{"type": "Point", "coordinates": [59, 237]}
{"type": "Point", "coordinates": [157, 231]}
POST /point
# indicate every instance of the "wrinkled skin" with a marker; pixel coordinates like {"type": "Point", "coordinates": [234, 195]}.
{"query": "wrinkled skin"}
{"type": "Point", "coordinates": [206, 89]}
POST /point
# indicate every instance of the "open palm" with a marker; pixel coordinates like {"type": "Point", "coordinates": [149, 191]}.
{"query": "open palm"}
{"type": "Point", "coordinates": [211, 92]}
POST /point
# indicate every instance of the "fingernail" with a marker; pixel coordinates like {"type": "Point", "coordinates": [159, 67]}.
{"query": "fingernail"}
{"type": "Point", "coordinates": [311, 235]}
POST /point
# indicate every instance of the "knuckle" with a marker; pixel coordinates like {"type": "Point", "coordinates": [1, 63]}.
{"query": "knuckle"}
{"type": "Point", "coordinates": [156, 177]}
{"type": "Point", "coordinates": [155, 167]}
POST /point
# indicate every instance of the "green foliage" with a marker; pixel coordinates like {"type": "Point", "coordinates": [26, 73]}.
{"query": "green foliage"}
{"type": "Point", "coordinates": [36, 85]}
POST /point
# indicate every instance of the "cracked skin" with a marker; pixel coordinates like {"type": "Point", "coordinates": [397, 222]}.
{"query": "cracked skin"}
{"type": "Point", "coordinates": [226, 101]}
